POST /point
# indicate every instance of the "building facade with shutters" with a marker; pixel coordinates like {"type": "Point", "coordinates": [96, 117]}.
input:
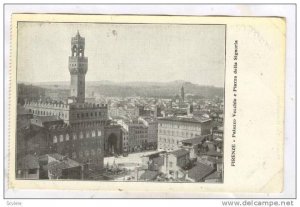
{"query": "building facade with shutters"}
{"type": "Point", "coordinates": [173, 130]}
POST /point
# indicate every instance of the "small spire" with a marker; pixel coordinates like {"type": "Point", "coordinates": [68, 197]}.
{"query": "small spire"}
{"type": "Point", "coordinates": [78, 33]}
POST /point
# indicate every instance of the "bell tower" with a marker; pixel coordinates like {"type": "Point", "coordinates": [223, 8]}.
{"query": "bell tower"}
{"type": "Point", "coordinates": [78, 66]}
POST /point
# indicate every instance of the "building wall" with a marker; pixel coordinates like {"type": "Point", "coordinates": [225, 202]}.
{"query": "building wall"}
{"type": "Point", "coordinates": [85, 145]}
{"type": "Point", "coordinates": [153, 134]}
{"type": "Point", "coordinates": [70, 113]}
{"type": "Point", "coordinates": [173, 165]}
{"type": "Point", "coordinates": [171, 133]}
{"type": "Point", "coordinates": [125, 140]}
{"type": "Point", "coordinates": [137, 137]}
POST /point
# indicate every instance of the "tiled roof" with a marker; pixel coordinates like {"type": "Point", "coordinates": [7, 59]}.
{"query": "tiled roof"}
{"type": "Point", "coordinates": [200, 171]}
{"type": "Point", "coordinates": [214, 160]}
{"type": "Point", "coordinates": [215, 175]}
{"type": "Point", "coordinates": [193, 141]}
{"type": "Point", "coordinates": [186, 119]}
{"type": "Point", "coordinates": [179, 153]}
{"type": "Point", "coordinates": [62, 162]}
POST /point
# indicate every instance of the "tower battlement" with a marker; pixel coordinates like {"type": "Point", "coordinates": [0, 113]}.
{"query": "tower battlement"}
{"type": "Point", "coordinates": [88, 106]}
{"type": "Point", "coordinates": [47, 105]}
{"type": "Point", "coordinates": [64, 106]}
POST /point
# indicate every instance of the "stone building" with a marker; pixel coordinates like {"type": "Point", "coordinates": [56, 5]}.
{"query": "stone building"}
{"type": "Point", "coordinates": [173, 130]}
{"type": "Point", "coordinates": [87, 134]}
{"type": "Point", "coordinates": [137, 137]}
{"type": "Point", "coordinates": [151, 124]}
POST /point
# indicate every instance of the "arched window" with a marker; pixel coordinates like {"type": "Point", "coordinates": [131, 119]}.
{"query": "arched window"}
{"type": "Point", "coordinates": [80, 51]}
{"type": "Point", "coordinates": [74, 50]}
{"type": "Point", "coordinates": [67, 137]}
{"type": "Point", "coordinates": [74, 136]}
{"type": "Point", "coordinates": [55, 139]}
{"type": "Point", "coordinates": [61, 138]}
{"type": "Point", "coordinates": [87, 135]}
{"type": "Point", "coordinates": [93, 133]}
{"type": "Point", "coordinates": [99, 133]}
{"type": "Point", "coordinates": [81, 135]}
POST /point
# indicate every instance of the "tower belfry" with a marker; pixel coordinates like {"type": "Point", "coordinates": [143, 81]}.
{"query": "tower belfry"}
{"type": "Point", "coordinates": [78, 66]}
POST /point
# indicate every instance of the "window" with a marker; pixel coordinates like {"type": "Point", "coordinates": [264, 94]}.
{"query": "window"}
{"type": "Point", "coordinates": [87, 153]}
{"type": "Point", "coordinates": [67, 137]}
{"type": "Point", "coordinates": [87, 135]}
{"type": "Point", "coordinates": [81, 135]}
{"type": "Point", "coordinates": [93, 133]}
{"type": "Point", "coordinates": [55, 139]}
{"type": "Point", "coordinates": [74, 136]}
{"type": "Point", "coordinates": [99, 133]}
{"type": "Point", "coordinates": [61, 138]}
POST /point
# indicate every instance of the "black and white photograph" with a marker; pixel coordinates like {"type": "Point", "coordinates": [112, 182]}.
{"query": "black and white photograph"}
{"type": "Point", "coordinates": [120, 102]}
{"type": "Point", "coordinates": [108, 103]}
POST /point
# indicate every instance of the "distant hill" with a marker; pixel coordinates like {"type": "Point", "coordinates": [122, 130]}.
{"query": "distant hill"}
{"type": "Point", "coordinates": [146, 89]}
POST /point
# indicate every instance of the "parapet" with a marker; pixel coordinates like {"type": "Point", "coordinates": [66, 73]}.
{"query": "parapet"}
{"type": "Point", "coordinates": [54, 105]}
{"type": "Point", "coordinates": [87, 106]}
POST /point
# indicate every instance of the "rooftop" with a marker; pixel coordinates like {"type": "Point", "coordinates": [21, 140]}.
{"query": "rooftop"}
{"type": "Point", "coordinates": [194, 141]}
{"type": "Point", "coordinates": [61, 162]}
{"type": "Point", "coordinates": [186, 119]}
{"type": "Point", "coordinates": [215, 175]}
{"type": "Point", "coordinates": [200, 171]}
{"type": "Point", "coordinates": [179, 153]}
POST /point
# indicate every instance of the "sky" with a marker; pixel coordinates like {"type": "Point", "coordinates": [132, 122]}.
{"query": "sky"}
{"type": "Point", "coordinates": [124, 52]}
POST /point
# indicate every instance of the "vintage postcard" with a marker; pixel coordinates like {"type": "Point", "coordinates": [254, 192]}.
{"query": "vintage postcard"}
{"type": "Point", "coordinates": [146, 103]}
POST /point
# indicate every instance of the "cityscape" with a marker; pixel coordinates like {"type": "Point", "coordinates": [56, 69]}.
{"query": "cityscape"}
{"type": "Point", "coordinates": [106, 130]}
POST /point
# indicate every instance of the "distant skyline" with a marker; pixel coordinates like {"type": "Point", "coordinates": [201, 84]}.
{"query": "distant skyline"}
{"type": "Point", "coordinates": [124, 52]}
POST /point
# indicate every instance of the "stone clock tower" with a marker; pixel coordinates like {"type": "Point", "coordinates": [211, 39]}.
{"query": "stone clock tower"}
{"type": "Point", "coordinates": [78, 66]}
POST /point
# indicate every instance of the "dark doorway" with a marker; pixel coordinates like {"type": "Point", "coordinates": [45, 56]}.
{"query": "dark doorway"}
{"type": "Point", "coordinates": [112, 144]}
